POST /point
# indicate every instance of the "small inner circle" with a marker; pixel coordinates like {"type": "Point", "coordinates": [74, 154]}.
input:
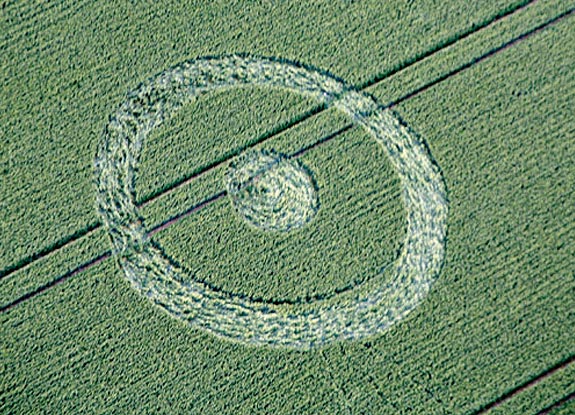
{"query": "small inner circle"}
{"type": "Point", "coordinates": [272, 191]}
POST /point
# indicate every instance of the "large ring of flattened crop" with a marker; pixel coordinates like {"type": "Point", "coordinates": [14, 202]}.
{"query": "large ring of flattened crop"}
{"type": "Point", "coordinates": [235, 317]}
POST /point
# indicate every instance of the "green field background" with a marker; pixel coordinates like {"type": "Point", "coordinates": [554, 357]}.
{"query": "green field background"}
{"type": "Point", "coordinates": [564, 409]}
{"type": "Point", "coordinates": [66, 66]}
{"type": "Point", "coordinates": [498, 121]}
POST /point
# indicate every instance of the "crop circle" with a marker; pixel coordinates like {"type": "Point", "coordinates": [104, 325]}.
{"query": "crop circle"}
{"type": "Point", "coordinates": [233, 316]}
{"type": "Point", "coordinates": [271, 191]}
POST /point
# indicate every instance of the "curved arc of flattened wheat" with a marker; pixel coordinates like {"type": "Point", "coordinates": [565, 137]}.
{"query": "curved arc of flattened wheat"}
{"type": "Point", "coordinates": [237, 318]}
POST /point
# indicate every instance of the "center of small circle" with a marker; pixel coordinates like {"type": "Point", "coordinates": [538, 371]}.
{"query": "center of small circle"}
{"type": "Point", "coordinates": [272, 191]}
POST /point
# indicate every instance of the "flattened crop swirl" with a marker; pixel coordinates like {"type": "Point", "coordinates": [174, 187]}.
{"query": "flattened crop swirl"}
{"type": "Point", "coordinates": [235, 317]}
{"type": "Point", "coordinates": [289, 200]}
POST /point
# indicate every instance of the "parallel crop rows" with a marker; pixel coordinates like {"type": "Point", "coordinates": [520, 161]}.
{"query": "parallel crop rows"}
{"type": "Point", "coordinates": [448, 376]}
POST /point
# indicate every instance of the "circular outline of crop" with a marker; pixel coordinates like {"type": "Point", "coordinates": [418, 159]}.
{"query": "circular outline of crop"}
{"type": "Point", "coordinates": [232, 316]}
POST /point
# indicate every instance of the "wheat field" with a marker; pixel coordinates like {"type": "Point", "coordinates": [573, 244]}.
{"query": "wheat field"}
{"type": "Point", "coordinates": [327, 207]}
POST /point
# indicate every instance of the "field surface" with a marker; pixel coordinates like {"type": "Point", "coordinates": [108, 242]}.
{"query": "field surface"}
{"type": "Point", "coordinates": [487, 86]}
